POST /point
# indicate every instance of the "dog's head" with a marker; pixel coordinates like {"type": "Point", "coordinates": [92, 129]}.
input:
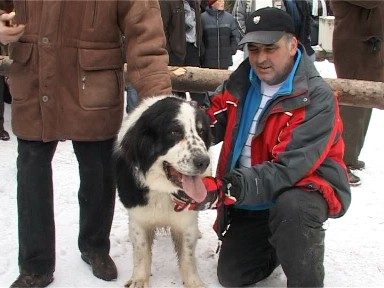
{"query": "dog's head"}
{"type": "Point", "coordinates": [163, 147]}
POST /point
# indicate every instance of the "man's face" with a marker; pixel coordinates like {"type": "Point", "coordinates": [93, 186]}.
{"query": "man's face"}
{"type": "Point", "coordinates": [273, 63]}
{"type": "Point", "coordinates": [219, 5]}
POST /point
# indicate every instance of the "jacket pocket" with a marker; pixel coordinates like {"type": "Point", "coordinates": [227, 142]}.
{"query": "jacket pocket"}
{"type": "Point", "coordinates": [21, 72]}
{"type": "Point", "coordinates": [100, 78]}
{"type": "Point", "coordinates": [20, 52]}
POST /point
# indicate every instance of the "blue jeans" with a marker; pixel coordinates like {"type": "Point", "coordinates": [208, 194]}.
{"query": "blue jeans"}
{"type": "Point", "coordinates": [132, 98]}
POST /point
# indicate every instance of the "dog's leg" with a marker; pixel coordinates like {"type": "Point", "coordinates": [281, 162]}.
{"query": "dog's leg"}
{"type": "Point", "coordinates": [142, 240]}
{"type": "Point", "coordinates": [185, 241]}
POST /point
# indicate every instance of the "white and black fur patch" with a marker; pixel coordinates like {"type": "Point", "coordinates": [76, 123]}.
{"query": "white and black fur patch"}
{"type": "Point", "coordinates": [162, 131]}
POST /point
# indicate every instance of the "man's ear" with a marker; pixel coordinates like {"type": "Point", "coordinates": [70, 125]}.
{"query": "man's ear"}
{"type": "Point", "coordinates": [294, 46]}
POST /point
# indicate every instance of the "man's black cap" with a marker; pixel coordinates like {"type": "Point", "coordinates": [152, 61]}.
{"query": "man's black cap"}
{"type": "Point", "coordinates": [267, 26]}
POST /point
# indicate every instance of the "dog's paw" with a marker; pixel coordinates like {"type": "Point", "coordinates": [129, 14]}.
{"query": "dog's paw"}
{"type": "Point", "coordinates": [137, 283]}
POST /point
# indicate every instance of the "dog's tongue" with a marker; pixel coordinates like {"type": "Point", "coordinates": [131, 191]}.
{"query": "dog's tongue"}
{"type": "Point", "coordinates": [194, 187]}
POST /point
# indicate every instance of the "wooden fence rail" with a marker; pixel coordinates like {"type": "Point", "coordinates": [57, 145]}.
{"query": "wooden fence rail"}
{"type": "Point", "coordinates": [359, 93]}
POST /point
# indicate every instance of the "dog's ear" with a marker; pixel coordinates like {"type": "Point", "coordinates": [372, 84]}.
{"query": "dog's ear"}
{"type": "Point", "coordinates": [130, 192]}
{"type": "Point", "coordinates": [140, 144]}
{"type": "Point", "coordinates": [205, 132]}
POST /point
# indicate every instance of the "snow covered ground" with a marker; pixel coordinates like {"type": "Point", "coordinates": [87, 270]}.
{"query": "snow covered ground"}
{"type": "Point", "coordinates": [354, 254]}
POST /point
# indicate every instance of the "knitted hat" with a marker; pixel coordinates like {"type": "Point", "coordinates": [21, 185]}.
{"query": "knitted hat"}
{"type": "Point", "coordinates": [210, 2]}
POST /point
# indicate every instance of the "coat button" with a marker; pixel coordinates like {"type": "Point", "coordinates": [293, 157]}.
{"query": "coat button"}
{"type": "Point", "coordinates": [45, 40]}
{"type": "Point", "coordinates": [44, 98]}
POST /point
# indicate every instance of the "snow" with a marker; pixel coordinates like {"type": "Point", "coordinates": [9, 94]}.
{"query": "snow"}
{"type": "Point", "coordinates": [354, 255]}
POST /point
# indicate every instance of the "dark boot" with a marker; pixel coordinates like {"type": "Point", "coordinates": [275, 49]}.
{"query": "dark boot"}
{"type": "Point", "coordinates": [102, 265]}
{"type": "Point", "coordinates": [358, 165]}
{"type": "Point", "coordinates": [4, 135]}
{"type": "Point", "coordinates": [353, 179]}
{"type": "Point", "coordinates": [31, 280]}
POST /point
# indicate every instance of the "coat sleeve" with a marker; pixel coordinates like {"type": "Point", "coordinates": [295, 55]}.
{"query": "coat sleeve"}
{"type": "Point", "coordinates": [239, 12]}
{"type": "Point", "coordinates": [366, 4]}
{"type": "Point", "coordinates": [147, 57]}
{"type": "Point", "coordinates": [301, 148]}
{"type": "Point", "coordinates": [235, 37]}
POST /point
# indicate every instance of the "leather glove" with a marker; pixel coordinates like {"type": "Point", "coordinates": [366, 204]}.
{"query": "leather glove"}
{"type": "Point", "coordinates": [219, 193]}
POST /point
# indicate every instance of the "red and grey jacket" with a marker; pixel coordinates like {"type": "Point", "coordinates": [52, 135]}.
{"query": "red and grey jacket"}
{"type": "Point", "coordinates": [298, 141]}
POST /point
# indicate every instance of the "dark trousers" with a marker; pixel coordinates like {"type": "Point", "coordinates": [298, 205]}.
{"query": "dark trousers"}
{"type": "Point", "coordinates": [35, 201]}
{"type": "Point", "coordinates": [2, 88]}
{"type": "Point", "coordinates": [289, 234]}
{"type": "Point", "coordinates": [192, 58]}
{"type": "Point", "coordinates": [356, 122]}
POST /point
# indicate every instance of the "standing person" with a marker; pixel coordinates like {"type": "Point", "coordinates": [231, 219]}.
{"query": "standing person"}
{"type": "Point", "coordinates": [278, 178]}
{"type": "Point", "coordinates": [300, 11]}
{"type": "Point", "coordinates": [220, 36]}
{"type": "Point", "coordinates": [358, 53]}
{"type": "Point", "coordinates": [183, 31]}
{"type": "Point", "coordinates": [4, 92]}
{"type": "Point", "coordinates": [67, 83]}
{"type": "Point", "coordinates": [4, 135]}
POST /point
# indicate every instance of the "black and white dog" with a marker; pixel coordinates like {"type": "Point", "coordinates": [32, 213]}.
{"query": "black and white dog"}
{"type": "Point", "coordinates": [162, 147]}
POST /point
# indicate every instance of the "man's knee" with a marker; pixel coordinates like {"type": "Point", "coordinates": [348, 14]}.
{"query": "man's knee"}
{"type": "Point", "coordinates": [298, 204]}
{"type": "Point", "coordinates": [229, 276]}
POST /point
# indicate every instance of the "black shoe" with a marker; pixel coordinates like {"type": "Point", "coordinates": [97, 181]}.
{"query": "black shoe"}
{"type": "Point", "coordinates": [359, 165]}
{"type": "Point", "coordinates": [102, 265]}
{"type": "Point", "coordinates": [353, 179]}
{"type": "Point", "coordinates": [31, 280]}
{"type": "Point", "coordinates": [4, 135]}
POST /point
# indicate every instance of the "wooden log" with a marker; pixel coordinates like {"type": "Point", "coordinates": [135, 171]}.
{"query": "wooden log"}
{"type": "Point", "coordinates": [358, 93]}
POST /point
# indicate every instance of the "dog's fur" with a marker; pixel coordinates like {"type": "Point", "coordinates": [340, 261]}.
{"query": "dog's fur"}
{"type": "Point", "coordinates": [162, 132]}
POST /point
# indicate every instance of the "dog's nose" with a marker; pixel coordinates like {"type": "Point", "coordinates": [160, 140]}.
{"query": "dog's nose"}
{"type": "Point", "coordinates": [201, 162]}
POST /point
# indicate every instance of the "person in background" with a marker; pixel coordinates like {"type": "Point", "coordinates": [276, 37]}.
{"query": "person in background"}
{"type": "Point", "coordinates": [278, 179]}
{"type": "Point", "coordinates": [183, 31]}
{"type": "Point", "coordinates": [132, 98]}
{"type": "Point", "coordinates": [220, 36]}
{"type": "Point", "coordinates": [66, 81]}
{"type": "Point", "coordinates": [358, 53]}
{"type": "Point", "coordinates": [301, 14]}
{"type": "Point", "coordinates": [4, 94]}
{"type": "Point", "coordinates": [4, 135]}
{"type": "Point", "coordinates": [318, 8]}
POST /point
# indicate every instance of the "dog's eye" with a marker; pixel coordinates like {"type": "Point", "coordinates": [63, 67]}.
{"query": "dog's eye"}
{"type": "Point", "coordinates": [200, 130]}
{"type": "Point", "coordinates": [177, 132]}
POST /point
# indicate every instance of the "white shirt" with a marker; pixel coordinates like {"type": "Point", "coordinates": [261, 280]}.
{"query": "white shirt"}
{"type": "Point", "coordinates": [267, 93]}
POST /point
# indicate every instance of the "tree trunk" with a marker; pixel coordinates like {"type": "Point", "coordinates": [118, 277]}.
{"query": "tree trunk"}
{"type": "Point", "coordinates": [359, 93]}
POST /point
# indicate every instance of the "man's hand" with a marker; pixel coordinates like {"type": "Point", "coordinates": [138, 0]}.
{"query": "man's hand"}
{"type": "Point", "coordinates": [9, 32]}
{"type": "Point", "coordinates": [218, 194]}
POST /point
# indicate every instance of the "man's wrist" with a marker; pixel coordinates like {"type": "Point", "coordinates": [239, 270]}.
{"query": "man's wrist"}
{"type": "Point", "coordinates": [232, 186]}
